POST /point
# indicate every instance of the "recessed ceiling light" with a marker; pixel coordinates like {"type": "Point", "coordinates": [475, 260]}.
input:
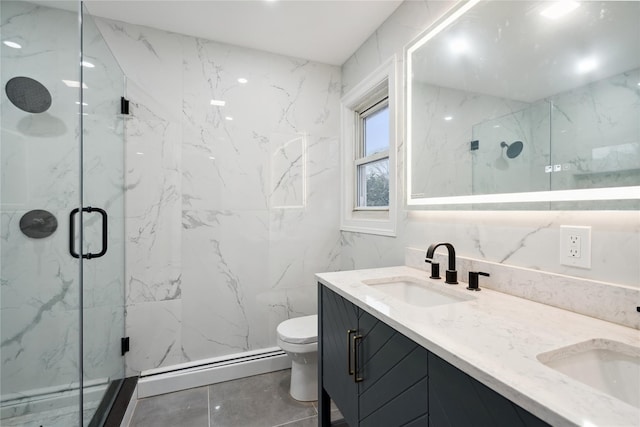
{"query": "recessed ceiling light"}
{"type": "Point", "coordinates": [218, 103]}
{"type": "Point", "coordinates": [559, 9]}
{"type": "Point", "coordinates": [84, 103]}
{"type": "Point", "coordinates": [587, 64]}
{"type": "Point", "coordinates": [73, 83]}
{"type": "Point", "coordinates": [12, 44]}
{"type": "Point", "coordinates": [139, 153]}
{"type": "Point", "coordinates": [448, 118]}
{"type": "Point", "coordinates": [242, 80]}
{"type": "Point", "coordinates": [87, 64]}
{"type": "Point", "coordinates": [458, 46]}
{"type": "Point", "coordinates": [228, 118]}
{"type": "Point", "coordinates": [212, 158]}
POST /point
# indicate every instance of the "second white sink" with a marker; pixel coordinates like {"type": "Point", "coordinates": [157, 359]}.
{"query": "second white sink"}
{"type": "Point", "coordinates": [609, 366]}
{"type": "Point", "coordinates": [417, 292]}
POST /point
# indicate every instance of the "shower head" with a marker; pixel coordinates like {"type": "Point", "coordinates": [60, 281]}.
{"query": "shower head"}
{"type": "Point", "coordinates": [28, 94]}
{"type": "Point", "coordinates": [514, 149]}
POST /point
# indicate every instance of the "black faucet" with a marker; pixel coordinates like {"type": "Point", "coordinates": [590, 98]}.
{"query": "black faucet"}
{"type": "Point", "coordinates": [451, 276]}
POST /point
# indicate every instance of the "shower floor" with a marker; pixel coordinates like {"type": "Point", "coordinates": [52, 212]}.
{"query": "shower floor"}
{"type": "Point", "coordinates": [60, 417]}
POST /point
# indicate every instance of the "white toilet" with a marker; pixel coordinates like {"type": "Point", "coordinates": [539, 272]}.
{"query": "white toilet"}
{"type": "Point", "coordinates": [298, 337]}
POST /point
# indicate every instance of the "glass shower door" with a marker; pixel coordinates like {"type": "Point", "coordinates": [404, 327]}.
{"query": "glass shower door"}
{"type": "Point", "coordinates": [39, 186]}
{"type": "Point", "coordinates": [103, 188]}
{"type": "Point", "coordinates": [61, 152]}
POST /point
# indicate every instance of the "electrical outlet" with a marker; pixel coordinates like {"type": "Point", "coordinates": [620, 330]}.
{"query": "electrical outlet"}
{"type": "Point", "coordinates": [575, 246]}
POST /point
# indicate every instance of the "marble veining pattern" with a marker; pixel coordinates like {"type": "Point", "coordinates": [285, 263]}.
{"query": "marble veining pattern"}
{"type": "Point", "coordinates": [230, 209]}
{"type": "Point", "coordinates": [496, 338]}
{"type": "Point", "coordinates": [605, 301]}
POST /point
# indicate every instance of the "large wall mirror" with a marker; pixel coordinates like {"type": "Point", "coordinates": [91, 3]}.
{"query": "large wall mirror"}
{"type": "Point", "coordinates": [526, 101]}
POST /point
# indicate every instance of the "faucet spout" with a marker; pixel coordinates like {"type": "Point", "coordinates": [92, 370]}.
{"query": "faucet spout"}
{"type": "Point", "coordinates": [452, 274]}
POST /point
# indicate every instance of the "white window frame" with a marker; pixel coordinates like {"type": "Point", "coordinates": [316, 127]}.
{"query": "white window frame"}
{"type": "Point", "coordinates": [370, 220]}
{"type": "Point", "coordinates": [375, 103]}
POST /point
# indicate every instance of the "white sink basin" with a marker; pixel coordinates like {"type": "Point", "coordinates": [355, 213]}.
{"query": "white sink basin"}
{"type": "Point", "coordinates": [609, 366]}
{"type": "Point", "coordinates": [417, 292]}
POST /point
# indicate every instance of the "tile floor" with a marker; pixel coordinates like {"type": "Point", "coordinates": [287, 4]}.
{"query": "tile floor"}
{"type": "Point", "coordinates": [260, 401]}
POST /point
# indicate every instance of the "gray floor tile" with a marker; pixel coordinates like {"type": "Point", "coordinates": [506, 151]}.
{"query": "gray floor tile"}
{"type": "Point", "coordinates": [258, 401]}
{"type": "Point", "coordinates": [306, 422]}
{"type": "Point", "coordinates": [187, 408]}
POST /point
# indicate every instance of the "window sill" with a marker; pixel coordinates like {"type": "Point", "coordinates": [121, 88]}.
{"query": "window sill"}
{"type": "Point", "coordinates": [370, 222]}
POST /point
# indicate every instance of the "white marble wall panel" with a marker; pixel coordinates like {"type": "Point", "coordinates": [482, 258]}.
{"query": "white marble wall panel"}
{"type": "Point", "coordinates": [103, 327]}
{"type": "Point", "coordinates": [408, 21]}
{"type": "Point", "coordinates": [154, 330]}
{"type": "Point", "coordinates": [151, 62]}
{"type": "Point", "coordinates": [40, 170]}
{"type": "Point", "coordinates": [287, 177]}
{"type": "Point", "coordinates": [152, 157]}
{"type": "Point", "coordinates": [595, 133]}
{"type": "Point", "coordinates": [225, 267]}
{"type": "Point", "coordinates": [204, 232]}
{"type": "Point", "coordinates": [519, 238]}
{"type": "Point", "coordinates": [153, 203]}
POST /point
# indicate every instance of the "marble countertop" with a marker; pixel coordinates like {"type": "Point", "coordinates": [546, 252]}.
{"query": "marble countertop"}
{"type": "Point", "coordinates": [495, 338]}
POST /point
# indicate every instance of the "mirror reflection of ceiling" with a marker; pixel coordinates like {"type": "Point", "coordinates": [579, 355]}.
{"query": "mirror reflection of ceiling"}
{"type": "Point", "coordinates": [515, 50]}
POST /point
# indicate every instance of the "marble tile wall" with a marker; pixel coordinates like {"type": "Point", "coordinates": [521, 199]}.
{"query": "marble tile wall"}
{"type": "Point", "coordinates": [442, 161]}
{"type": "Point", "coordinates": [230, 209]}
{"type": "Point", "coordinates": [519, 238]}
{"type": "Point", "coordinates": [595, 132]}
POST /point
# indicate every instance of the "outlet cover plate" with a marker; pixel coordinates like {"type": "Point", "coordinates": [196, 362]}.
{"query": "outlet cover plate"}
{"type": "Point", "coordinates": [575, 246]}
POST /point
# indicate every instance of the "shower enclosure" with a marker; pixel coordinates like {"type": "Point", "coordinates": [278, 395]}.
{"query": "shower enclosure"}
{"type": "Point", "coordinates": [61, 225]}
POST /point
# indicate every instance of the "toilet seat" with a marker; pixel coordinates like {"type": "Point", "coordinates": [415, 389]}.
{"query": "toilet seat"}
{"type": "Point", "coordinates": [299, 330]}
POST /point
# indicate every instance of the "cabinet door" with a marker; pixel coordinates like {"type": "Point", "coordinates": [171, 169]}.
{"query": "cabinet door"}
{"type": "Point", "coordinates": [393, 368]}
{"type": "Point", "coordinates": [338, 316]}
{"type": "Point", "coordinates": [456, 399]}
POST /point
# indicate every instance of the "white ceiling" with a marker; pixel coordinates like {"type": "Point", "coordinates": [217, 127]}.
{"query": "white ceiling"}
{"type": "Point", "coordinates": [327, 31]}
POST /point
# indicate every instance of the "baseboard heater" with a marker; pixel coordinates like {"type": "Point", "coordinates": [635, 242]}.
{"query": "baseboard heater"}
{"type": "Point", "coordinates": [211, 371]}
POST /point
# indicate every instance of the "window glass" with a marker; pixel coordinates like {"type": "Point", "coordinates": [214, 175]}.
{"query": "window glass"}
{"type": "Point", "coordinates": [376, 132]}
{"type": "Point", "coordinates": [373, 183]}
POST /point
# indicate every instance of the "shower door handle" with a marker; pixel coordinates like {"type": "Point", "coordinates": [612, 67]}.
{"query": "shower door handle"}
{"type": "Point", "coordinates": [72, 232]}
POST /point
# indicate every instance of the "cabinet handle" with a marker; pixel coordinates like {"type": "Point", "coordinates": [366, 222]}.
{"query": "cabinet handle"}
{"type": "Point", "coordinates": [349, 332]}
{"type": "Point", "coordinates": [356, 342]}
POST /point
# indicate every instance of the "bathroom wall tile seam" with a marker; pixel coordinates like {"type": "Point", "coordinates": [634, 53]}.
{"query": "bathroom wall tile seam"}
{"type": "Point", "coordinates": [191, 292]}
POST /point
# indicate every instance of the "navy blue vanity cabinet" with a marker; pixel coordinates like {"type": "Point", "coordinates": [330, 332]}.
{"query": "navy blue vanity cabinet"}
{"type": "Point", "coordinates": [338, 319]}
{"type": "Point", "coordinates": [375, 375]}
{"type": "Point", "coordinates": [456, 399]}
{"type": "Point", "coordinates": [378, 377]}
{"type": "Point", "coordinates": [393, 369]}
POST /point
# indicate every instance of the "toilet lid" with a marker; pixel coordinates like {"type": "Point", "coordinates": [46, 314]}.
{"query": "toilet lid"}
{"type": "Point", "coordinates": [299, 330]}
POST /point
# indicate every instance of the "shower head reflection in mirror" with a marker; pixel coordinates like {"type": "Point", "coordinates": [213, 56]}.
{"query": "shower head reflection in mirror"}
{"type": "Point", "coordinates": [514, 149]}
